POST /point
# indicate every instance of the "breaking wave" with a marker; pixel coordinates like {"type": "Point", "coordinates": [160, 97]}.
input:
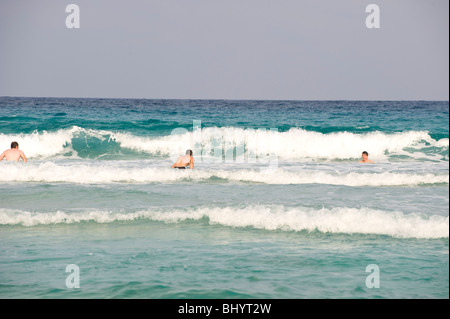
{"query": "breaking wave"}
{"type": "Point", "coordinates": [266, 217]}
{"type": "Point", "coordinates": [294, 144]}
{"type": "Point", "coordinates": [106, 172]}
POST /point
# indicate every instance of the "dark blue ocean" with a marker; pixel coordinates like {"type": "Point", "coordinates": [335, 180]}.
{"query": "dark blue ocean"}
{"type": "Point", "coordinates": [277, 206]}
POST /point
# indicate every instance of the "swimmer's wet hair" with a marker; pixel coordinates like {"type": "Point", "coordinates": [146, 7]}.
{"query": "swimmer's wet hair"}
{"type": "Point", "coordinates": [189, 152]}
{"type": "Point", "coordinates": [14, 144]}
{"type": "Point", "coordinates": [365, 153]}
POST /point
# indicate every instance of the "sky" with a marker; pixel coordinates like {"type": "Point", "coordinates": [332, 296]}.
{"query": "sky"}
{"type": "Point", "coordinates": [226, 49]}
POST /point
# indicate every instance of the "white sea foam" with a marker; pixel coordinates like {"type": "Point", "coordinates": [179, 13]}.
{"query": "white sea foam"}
{"type": "Point", "coordinates": [105, 172]}
{"type": "Point", "coordinates": [269, 217]}
{"type": "Point", "coordinates": [293, 144]}
{"type": "Point", "coordinates": [443, 142]}
{"type": "Point", "coordinates": [290, 145]}
{"type": "Point", "coordinates": [41, 144]}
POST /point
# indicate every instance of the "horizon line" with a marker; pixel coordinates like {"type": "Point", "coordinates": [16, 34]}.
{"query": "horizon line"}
{"type": "Point", "coordinates": [218, 99]}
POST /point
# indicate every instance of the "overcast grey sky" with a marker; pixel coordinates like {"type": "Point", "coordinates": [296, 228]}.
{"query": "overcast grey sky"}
{"type": "Point", "coordinates": [226, 49]}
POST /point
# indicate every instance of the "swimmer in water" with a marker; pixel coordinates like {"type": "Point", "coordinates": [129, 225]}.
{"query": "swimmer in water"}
{"type": "Point", "coordinates": [13, 154]}
{"type": "Point", "coordinates": [365, 158]}
{"type": "Point", "coordinates": [184, 161]}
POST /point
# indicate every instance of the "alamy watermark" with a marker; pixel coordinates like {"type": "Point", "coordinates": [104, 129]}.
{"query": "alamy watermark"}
{"type": "Point", "coordinates": [373, 279]}
{"type": "Point", "coordinates": [73, 19]}
{"type": "Point", "coordinates": [73, 279]}
{"type": "Point", "coordinates": [219, 146]}
{"type": "Point", "coordinates": [372, 20]}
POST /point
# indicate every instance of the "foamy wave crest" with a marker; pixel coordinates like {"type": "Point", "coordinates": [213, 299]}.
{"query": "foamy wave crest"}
{"type": "Point", "coordinates": [124, 172]}
{"type": "Point", "coordinates": [293, 144]}
{"type": "Point", "coordinates": [41, 144]}
{"type": "Point", "coordinates": [443, 142]}
{"type": "Point", "coordinates": [50, 144]}
{"type": "Point", "coordinates": [335, 220]}
{"type": "Point", "coordinates": [240, 144]}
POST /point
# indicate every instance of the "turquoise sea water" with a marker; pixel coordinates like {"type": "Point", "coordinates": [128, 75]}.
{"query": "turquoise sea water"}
{"type": "Point", "coordinates": [276, 207]}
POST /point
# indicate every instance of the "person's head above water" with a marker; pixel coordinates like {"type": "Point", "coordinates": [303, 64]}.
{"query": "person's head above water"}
{"type": "Point", "coordinates": [14, 145]}
{"type": "Point", "coordinates": [189, 152]}
{"type": "Point", "coordinates": [365, 158]}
